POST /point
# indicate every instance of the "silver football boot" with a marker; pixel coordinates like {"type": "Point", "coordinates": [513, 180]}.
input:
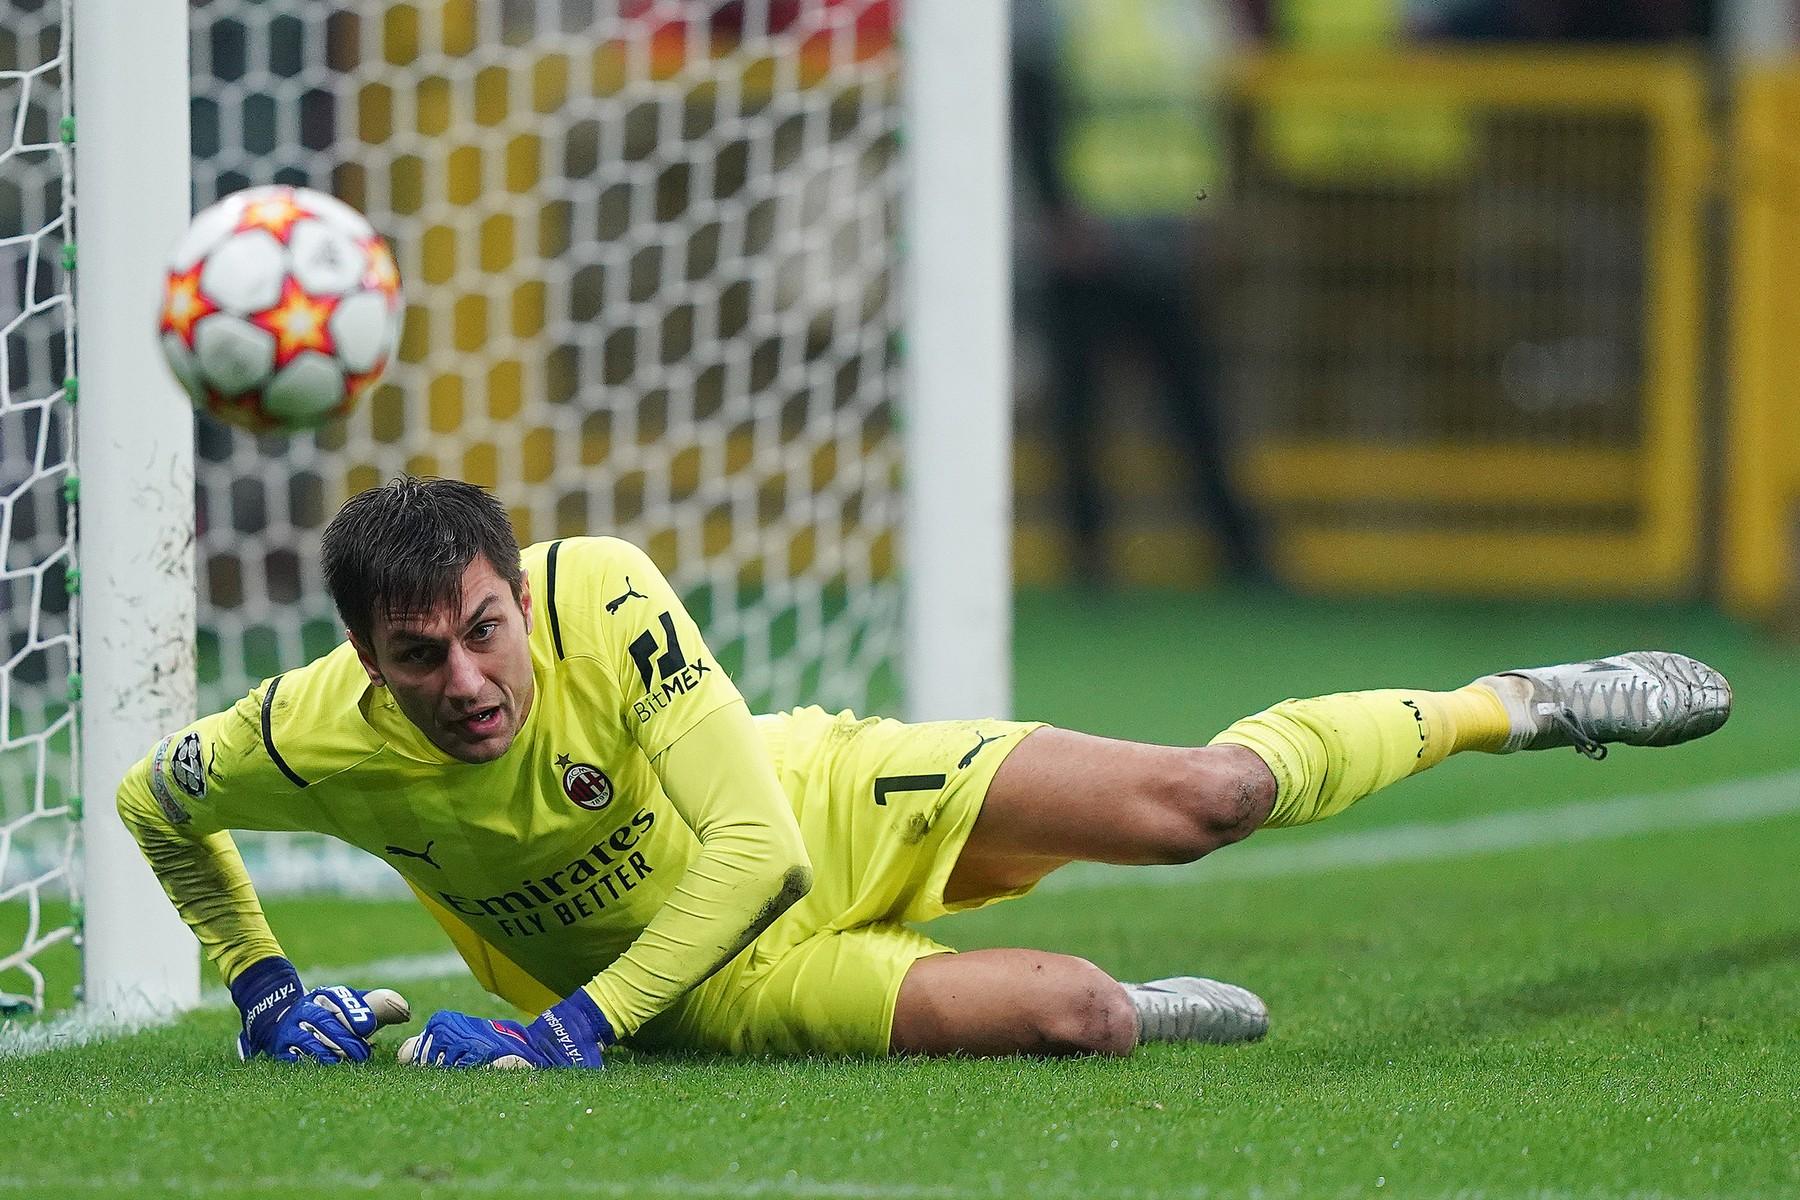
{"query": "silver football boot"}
{"type": "Point", "coordinates": [1190, 1009]}
{"type": "Point", "coordinates": [1644, 698]}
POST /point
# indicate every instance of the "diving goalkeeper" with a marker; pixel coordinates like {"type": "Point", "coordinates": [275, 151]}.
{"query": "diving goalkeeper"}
{"type": "Point", "coordinates": [541, 744]}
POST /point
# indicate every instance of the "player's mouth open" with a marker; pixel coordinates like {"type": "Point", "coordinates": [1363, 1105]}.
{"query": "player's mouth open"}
{"type": "Point", "coordinates": [482, 723]}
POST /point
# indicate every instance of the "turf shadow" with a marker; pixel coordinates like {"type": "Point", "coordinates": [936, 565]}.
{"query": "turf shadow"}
{"type": "Point", "coordinates": [1605, 987]}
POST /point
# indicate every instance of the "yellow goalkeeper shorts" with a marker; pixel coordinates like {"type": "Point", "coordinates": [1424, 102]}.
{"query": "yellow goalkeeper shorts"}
{"type": "Point", "coordinates": [884, 808]}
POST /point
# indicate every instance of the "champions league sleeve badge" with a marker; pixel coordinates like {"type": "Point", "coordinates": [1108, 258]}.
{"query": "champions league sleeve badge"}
{"type": "Point", "coordinates": [186, 767]}
{"type": "Point", "coordinates": [162, 765]}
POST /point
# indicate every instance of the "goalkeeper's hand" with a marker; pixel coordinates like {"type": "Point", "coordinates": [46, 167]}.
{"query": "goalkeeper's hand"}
{"type": "Point", "coordinates": [571, 1033]}
{"type": "Point", "coordinates": [325, 1025]}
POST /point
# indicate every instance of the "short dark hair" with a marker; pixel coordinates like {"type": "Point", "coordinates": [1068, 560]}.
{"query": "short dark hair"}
{"type": "Point", "coordinates": [403, 548]}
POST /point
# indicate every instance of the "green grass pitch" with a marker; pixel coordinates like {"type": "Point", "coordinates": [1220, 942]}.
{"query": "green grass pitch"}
{"type": "Point", "coordinates": [1611, 1016]}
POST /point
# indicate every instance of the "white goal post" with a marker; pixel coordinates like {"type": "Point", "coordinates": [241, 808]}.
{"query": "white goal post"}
{"type": "Point", "coordinates": [959, 386]}
{"type": "Point", "coordinates": [135, 468]}
{"type": "Point", "coordinates": [730, 279]}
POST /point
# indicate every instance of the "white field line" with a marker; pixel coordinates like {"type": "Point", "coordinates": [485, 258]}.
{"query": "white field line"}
{"type": "Point", "coordinates": [1734, 802]}
{"type": "Point", "coordinates": [1265, 857]}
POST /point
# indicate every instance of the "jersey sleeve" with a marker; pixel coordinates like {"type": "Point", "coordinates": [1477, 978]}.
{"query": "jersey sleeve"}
{"type": "Point", "coordinates": [177, 803]}
{"type": "Point", "coordinates": [751, 868]}
{"type": "Point", "coordinates": [635, 623]}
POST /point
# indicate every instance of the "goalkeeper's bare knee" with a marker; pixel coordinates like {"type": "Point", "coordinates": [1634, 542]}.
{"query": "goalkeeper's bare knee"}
{"type": "Point", "coordinates": [1200, 800]}
{"type": "Point", "coordinates": [1080, 1009]}
{"type": "Point", "coordinates": [995, 1002]}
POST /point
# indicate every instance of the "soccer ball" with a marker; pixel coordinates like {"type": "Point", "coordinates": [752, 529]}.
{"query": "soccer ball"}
{"type": "Point", "coordinates": [281, 307]}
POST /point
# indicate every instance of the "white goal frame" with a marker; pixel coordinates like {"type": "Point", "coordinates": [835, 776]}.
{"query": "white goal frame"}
{"type": "Point", "coordinates": [135, 430]}
{"type": "Point", "coordinates": [135, 464]}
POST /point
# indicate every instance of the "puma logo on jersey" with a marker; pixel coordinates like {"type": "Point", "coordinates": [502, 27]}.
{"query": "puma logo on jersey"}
{"type": "Point", "coordinates": [613, 606]}
{"type": "Point", "coordinates": [970, 756]}
{"type": "Point", "coordinates": [424, 854]}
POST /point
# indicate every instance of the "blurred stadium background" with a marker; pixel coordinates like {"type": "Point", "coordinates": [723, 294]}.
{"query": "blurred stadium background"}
{"type": "Point", "coordinates": [1496, 296]}
{"type": "Point", "coordinates": [1492, 299]}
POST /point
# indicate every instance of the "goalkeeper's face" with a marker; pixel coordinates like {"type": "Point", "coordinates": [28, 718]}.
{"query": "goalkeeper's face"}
{"type": "Point", "coordinates": [461, 672]}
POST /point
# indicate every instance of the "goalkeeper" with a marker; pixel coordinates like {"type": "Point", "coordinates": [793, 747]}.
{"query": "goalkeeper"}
{"type": "Point", "coordinates": [541, 744]}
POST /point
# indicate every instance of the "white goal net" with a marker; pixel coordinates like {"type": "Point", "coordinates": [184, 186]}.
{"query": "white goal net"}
{"type": "Point", "coordinates": [648, 252]}
{"type": "Point", "coordinates": [651, 258]}
{"type": "Point", "coordinates": [38, 679]}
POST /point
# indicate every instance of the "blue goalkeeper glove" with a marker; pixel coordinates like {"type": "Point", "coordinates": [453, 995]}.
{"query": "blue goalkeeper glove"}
{"type": "Point", "coordinates": [571, 1033]}
{"type": "Point", "coordinates": [325, 1025]}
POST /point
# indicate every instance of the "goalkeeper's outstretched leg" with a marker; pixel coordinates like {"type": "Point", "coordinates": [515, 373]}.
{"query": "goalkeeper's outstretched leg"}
{"type": "Point", "coordinates": [1062, 796]}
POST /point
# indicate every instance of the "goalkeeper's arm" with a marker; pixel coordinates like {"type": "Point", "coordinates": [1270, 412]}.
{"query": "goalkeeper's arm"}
{"type": "Point", "coordinates": [204, 877]}
{"type": "Point", "coordinates": [751, 868]}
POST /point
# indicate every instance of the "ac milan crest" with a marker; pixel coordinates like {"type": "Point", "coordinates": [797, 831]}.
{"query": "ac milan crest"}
{"type": "Point", "coordinates": [585, 784]}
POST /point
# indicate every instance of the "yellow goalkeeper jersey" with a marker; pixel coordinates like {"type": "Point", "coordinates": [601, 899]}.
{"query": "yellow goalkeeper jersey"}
{"type": "Point", "coordinates": [572, 859]}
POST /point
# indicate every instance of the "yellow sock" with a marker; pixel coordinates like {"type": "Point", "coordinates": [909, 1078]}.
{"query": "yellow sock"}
{"type": "Point", "coordinates": [1330, 751]}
